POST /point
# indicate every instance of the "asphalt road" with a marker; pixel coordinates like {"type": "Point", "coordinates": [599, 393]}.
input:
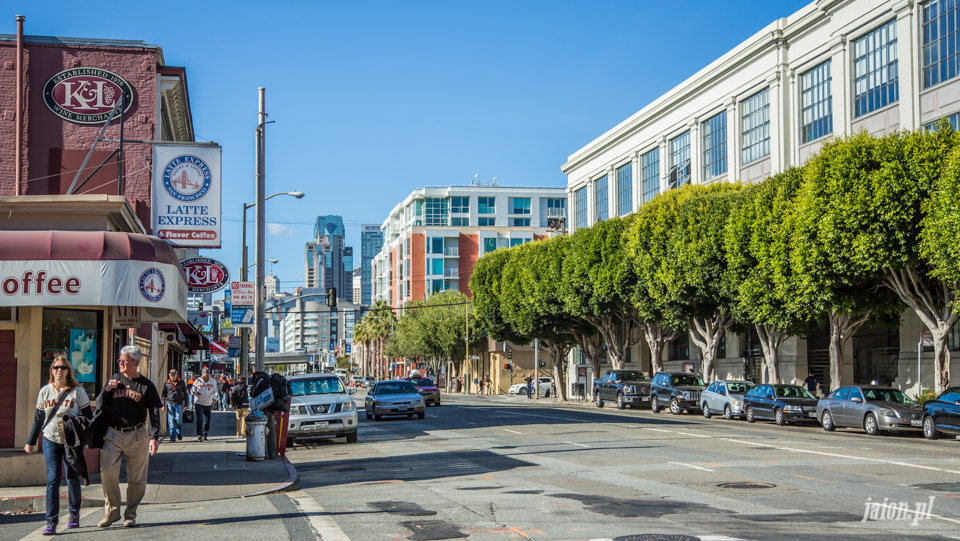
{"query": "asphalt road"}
{"type": "Point", "coordinates": [507, 468]}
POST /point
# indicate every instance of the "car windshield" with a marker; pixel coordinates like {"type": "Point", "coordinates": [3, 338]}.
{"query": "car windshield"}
{"type": "Point", "coordinates": [395, 387]}
{"type": "Point", "coordinates": [793, 391]}
{"type": "Point", "coordinates": [303, 387]}
{"type": "Point", "coordinates": [633, 375]}
{"type": "Point", "coordinates": [422, 382]}
{"type": "Point", "coordinates": [687, 379]}
{"type": "Point", "coordinates": [887, 395]}
{"type": "Point", "coordinates": [738, 387]}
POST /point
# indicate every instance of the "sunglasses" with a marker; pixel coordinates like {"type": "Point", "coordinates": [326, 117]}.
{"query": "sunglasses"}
{"type": "Point", "coordinates": [127, 361]}
{"type": "Point", "coordinates": [60, 367]}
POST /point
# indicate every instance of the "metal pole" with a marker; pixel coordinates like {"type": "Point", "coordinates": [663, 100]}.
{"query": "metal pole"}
{"type": "Point", "coordinates": [244, 338]}
{"type": "Point", "coordinates": [466, 341]}
{"type": "Point", "coordinates": [258, 302]}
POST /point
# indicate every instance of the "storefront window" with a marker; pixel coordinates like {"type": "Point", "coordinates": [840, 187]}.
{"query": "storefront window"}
{"type": "Point", "coordinates": [79, 334]}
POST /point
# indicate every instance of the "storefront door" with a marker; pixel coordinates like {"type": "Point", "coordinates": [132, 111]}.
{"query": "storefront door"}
{"type": "Point", "coordinates": [8, 390]}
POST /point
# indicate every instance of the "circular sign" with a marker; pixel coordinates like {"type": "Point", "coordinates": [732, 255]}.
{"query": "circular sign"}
{"type": "Point", "coordinates": [205, 275]}
{"type": "Point", "coordinates": [152, 284]}
{"type": "Point", "coordinates": [186, 178]}
{"type": "Point", "coordinates": [86, 95]}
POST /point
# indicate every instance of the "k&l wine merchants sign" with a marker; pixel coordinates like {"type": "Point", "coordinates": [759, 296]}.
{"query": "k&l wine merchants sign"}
{"type": "Point", "coordinates": [186, 194]}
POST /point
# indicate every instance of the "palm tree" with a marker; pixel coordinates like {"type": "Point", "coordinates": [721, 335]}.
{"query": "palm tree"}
{"type": "Point", "coordinates": [376, 326]}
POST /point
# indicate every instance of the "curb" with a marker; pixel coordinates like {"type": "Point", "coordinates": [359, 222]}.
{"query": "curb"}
{"type": "Point", "coordinates": [38, 504]}
{"type": "Point", "coordinates": [292, 482]}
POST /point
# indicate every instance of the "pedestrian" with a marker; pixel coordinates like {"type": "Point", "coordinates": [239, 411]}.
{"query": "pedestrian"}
{"type": "Point", "coordinates": [173, 398]}
{"type": "Point", "coordinates": [241, 405]}
{"type": "Point", "coordinates": [128, 399]}
{"type": "Point", "coordinates": [190, 395]}
{"type": "Point", "coordinates": [479, 384]}
{"type": "Point", "coordinates": [488, 384]}
{"type": "Point", "coordinates": [224, 393]}
{"type": "Point", "coordinates": [811, 383]}
{"type": "Point", "coordinates": [61, 397]}
{"type": "Point", "coordinates": [204, 392]}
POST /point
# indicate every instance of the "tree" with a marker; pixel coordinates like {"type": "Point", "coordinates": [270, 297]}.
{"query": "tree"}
{"type": "Point", "coordinates": [376, 326]}
{"type": "Point", "coordinates": [872, 194]}
{"type": "Point", "coordinates": [940, 227]}
{"type": "Point", "coordinates": [758, 245]}
{"type": "Point", "coordinates": [434, 330]}
{"type": "Point", "coordinates": [597, 286]}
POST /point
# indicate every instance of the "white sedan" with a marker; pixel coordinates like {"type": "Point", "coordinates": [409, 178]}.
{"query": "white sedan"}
{"type": "Point", "coordinates": [543, 386]}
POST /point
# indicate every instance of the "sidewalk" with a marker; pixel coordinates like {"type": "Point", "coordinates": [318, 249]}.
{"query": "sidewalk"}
{"type": "Point", "coordinates": [185, 471]}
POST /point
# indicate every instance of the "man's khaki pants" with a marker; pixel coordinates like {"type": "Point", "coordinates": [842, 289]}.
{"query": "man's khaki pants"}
{"type": "Point", "coordinates": [242, 421]}
{"type": "Point", "coordinates": [135, 447]}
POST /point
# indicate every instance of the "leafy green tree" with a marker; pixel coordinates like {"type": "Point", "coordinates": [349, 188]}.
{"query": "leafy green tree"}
{"type": "Point", "coordinates": [376, 326]}
{"type": "Point", "coordinates": [486, 286]}
{"type": "Point", "coordinates": [433, 331]}
{"type": "Point", "coordinates": [940, 228]}
{"type": "Point", "coordinates": [759, 244]}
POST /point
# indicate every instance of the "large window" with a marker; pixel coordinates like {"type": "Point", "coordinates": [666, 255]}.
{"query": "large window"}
{"type": "Point", "coordinates": [650, 169]}
{"type": "Point", "coordinates": [602, 209]}
{"type": "Point", "coordinates": [436, 266]}
{"type": "Point", "coordinates": [435, 211]}
{"type": "Point", "coordinates": [519, 222]}
{"type": "Point", "coordinates": [435, 245]}
{"type": "Point", "coordinates": [680, 160]}
{"type": "Point", "coordinates": [78, 334]}
{"type": "Point", "coordinates": [941, 50]}
{"type": "Point", "coordinates": [680, 348]}
{"type": "Point", "coordinates": [953, 119]}
{"type": "Point", "coordinates": [556, 207]}
{"type": "Point", "coordinates": [755, 120]}
{"type": "Point", "coordinates": [460, 205]}
{"type": "Point", "coordinates": [486, 205]}
{"type": "Point", "coordinates": [625, 189]}
{"type": "Point", "coordinates": [460, 221]}
{"type": "Point", "coordinates": [519, 205]}
{"type": "Point", "coordinates": [875, 70]}
{"type": "Point", "coordinates": [714, 145]}
{"type": "Point", "coordinates": [581, 200]}
{"type": "Point", "coordinates": [816, 104]}
{"type": "Point", "coordinates": [486, 222]}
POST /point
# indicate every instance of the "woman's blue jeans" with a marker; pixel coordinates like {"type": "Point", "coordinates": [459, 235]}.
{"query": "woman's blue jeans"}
{"type": "Point", "coordinates": [55, 456]}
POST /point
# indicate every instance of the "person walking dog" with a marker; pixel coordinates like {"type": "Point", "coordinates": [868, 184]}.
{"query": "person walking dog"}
{"type": "Point", "coordinates": [129, 398]}
{"type": "Point", "coordinates": [174, 397]}
{"type": "Point", "coordinates": [61, 397]}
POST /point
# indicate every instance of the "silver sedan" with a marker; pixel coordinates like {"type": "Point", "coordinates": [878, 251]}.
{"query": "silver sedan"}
{"type": "Point", "coordinates": [724, 395]}
{"type": "Point", "coordinates": [396, 397]}
{"type": "Point", "coordinates": [873, 408]}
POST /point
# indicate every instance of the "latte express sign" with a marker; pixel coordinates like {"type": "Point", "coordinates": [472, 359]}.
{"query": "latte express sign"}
{"type": "Point", "coordinates": [86, 95]}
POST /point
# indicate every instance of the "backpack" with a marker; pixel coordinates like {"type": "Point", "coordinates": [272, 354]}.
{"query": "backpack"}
{"type": "Point", "coordinates": [282, 392]}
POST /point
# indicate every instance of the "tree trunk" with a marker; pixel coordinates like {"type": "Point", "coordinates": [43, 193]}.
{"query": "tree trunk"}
{"type": "Point", "coordinates": [616, 329]}
{"type": "Point", "coordinates": [933, 301]}
{"type": "Point", "coordinates": [707, 334]}
{"type": "Point", "coordinates": [557, 357]}
{"type": "Point", "coordinates": [591, 344]}
{"type": "Point", "coordinates": [657, 338]}
{"type": "Point", "coordinates": [842, 327]}
{"type": "Point", "coordinates": [770, 340]}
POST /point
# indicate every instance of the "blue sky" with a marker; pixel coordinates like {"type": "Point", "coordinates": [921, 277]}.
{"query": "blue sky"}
{"type": "Point", "coordinates": [373, 99]}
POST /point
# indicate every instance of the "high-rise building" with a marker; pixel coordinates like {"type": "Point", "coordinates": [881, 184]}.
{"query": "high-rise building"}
{"type": "Point", "coordinates": [371, 241]}
{"type": "Point", "coordinates": [433, 238]}
{"type": "Point", "coordinates": [328, 261]}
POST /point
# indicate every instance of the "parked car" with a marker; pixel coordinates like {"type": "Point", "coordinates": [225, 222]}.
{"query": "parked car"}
{"type": "Point", "coordinates": [543, 387]}
{"type": "Point", "coordinates": [681, 390]}
{"type": "Point", "coordinates": [870, 407]}
{"type": "Point", "coordinates": [355, 380]}
{"type": "Point", "coordinates": [321, 406]}
{"type": "Point", "coordinates": [427, 389]}
{"type": "Point", "coordinates": [781, 403]}
{"type": "Point", "coordinates": [394, 397]}
{"type": "Point", "coordinates": [625, 387]}
{"type": "Point", "coordinates": [724, 395]}
{"type": "Point", "coordinates": [368, 382]}
{"type": "Point", "coordinates": [942, 415]}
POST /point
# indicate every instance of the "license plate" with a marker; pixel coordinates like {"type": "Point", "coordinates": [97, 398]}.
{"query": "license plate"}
{"type": "Point", "coordinates": [319, 425]}
{"type": "Point", "coordinates": [812, 414]}
{"type": "Point", "coordinates": [401, 409]}
{"type": "Point", "coordinates": [644, 398]}
{"type": "Point", "coordinates": [915, 422]}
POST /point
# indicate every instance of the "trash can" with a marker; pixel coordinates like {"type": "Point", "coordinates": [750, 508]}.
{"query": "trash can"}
{"type": "Point", "coordinates": [256, 435]}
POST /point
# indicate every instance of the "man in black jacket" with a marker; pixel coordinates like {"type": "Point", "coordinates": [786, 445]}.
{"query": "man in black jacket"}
{"type": "Point", "coordinates": [241, 404]}
{"type": "Point", "coordinates": [174, 397]}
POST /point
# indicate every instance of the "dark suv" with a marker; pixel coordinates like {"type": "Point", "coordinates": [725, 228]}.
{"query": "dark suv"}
{"type": "Point", "coordinates": [681, 390]}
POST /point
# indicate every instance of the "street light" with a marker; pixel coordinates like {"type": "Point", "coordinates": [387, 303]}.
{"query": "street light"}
{"type": "Point", "coordinates": [265, 261]}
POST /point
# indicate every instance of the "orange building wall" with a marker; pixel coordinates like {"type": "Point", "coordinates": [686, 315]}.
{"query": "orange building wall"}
{"type": "Point", "coordinates": [418, 269]}
{"type": "Point", "coordinates": [469, 248]}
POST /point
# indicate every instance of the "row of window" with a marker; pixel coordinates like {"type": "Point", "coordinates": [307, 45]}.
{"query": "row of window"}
{"type": "Point", "coordinates": [438, 211]}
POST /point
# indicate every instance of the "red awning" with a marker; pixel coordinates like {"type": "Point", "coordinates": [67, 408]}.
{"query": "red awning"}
{"type": "Point", "coordinates": [84, 246]}
{"type": "Point", "coordinates": [195, 339]}
{"type": "Point", "coordinates": [217, 349]}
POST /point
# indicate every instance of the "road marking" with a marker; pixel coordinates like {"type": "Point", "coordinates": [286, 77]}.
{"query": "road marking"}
{"type": "Point", "coordinates": [326, 528]}
{"type": "Point", "coordinates": [690, 466]}
{"type": "Point", "coordinates": [544, 416]}
{"type": "Point", "coordinates": [513, 431]}
{"type": "Point", "coordinates": [84, 513]}
{"type": "Point", "coordinates": [469, 423]}
{"type": "Point", "coordinates": [661, 430]}
{"type": "Point", "coordinates": [579, 444]}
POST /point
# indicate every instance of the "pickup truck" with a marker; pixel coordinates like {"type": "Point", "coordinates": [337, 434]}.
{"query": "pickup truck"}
{"type": "Point", "coordinates": [625, 387]}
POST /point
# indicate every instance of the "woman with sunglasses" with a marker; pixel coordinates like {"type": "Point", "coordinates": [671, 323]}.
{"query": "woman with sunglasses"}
{"type": "Point", "coordinates": [75, 402]}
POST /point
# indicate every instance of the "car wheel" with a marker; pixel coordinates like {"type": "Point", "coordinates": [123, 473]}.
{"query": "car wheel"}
{"type": "Point", "coordinates": [706, 410]}
{"type": "Point", "coordinates": [523, 392]}
{"type": "Point", "coordinates": [352, 437]}
{"type": "Point", "coordinates": [827, 421]}
{"type": "Point", "coordinates": [750, 417]}
{"type": "Point", "coordinates": [621, 403]}
{"type": "Point", "coordinates": [598, 399]}
{"type": "Point", "coordinates": [376, 417]}
{"type": "Point", "coordinates": [779, 417]}
{"type": "Point", "coordinates": [410, 416]}
{"type": "Point", "coordinates": [421, 415]}
{"type": "Point", "coordinates": [369, 416]}
{"type": "Point", "coordinates": [727, 412]}
{"type": "Point", "coordinates": [437, 403]}
{"type": "Point", "coordinates": [675, 407]}
{"type": "Point", "coordinates": [654, 404]}
{"type": "Point", "coordinates": [870, 424]}
{"type": "Point", "coordinates": [930, 428]}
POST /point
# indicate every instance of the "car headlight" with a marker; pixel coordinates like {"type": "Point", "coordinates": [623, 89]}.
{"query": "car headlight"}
{"type": "Point", "coordinates": [736, 402]}
{"type": "Point", "coordinates": [887, 412]}
{"type": "Point", "coordinates": [629, 389]}
{"type": "Point", "coordinates": [685, 394]}
{"type": "Point", "coordinates": [377, 403]}
{"type": "Point", "coordinates": [792, 408]}
{"type": "Point", "coordinates": [347, 406]}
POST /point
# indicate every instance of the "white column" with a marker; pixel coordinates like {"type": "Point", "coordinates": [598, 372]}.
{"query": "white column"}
{"type": "Point", "coordinates": [637, 184]}
{"type": "Point", "coordinates": [733, 140]}
{"type": "Point", "coordinates": [908, 64]}
{"type": "Point", "coordinates": [840, 80]}
{"type": "Point", "coordinates": [591, 202]}
{"type": "Point", "coordinates": [696, 147]}
{"type": "Point", "coordinates": [612, 209]}
{"type": "Point", "coordinates": [664, 165]}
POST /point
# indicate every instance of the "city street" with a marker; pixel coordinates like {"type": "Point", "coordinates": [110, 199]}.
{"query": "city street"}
{"type": "Point", "coordinates": [508, 468]}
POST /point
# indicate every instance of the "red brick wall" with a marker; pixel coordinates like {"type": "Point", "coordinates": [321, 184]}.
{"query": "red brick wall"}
{"type": "Point", "coordinates": [469, 248]}
{"type": "Point", "coordinates": [46, 134]}
{"type": "Point", "coordinates": [418, 266]}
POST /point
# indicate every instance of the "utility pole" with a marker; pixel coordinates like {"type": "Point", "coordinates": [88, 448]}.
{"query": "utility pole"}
{"type": "Point", "coordinates": [466, 340]}
{"type": "Point", "coordinates": [259, 326]}
{"type": "Point", "coordinates": [244, 335]}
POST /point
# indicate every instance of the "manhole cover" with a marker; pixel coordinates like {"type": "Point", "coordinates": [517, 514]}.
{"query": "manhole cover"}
{"type": "Point", "coordinates": [746, 485]}
{"type": "Point", "coordinates": [940, 487]}
{"type": "Point", "coordinates": [656, 537]}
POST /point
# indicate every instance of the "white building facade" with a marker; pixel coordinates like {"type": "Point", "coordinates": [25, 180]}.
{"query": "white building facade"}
{"type": "Point", "coordinates": [833, 67]}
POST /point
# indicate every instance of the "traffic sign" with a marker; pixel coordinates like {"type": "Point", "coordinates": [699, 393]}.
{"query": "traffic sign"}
{"type": "Point", "coordinates": [243, 293]}
{"type": "Point", "coordinates": [347, 350]}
